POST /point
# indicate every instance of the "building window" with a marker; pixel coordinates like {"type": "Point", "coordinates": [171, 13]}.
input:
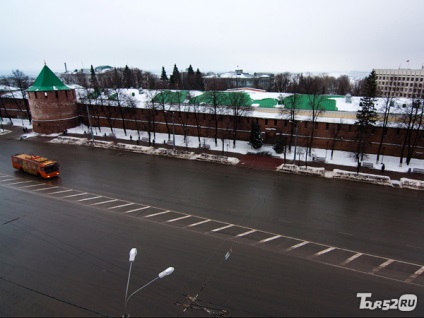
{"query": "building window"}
{"type": "Point", "coordinates": [275, 122]}
{"type": "Point", "coordinates": [349, 128]}
{"type": "Point", "coordinates": [266, 122]}
{"type": "Point", "coordinates": [285, 123]}
{"type": "Point", "coordinates": [57, 94]}
{"type": "Point", "coordinates": [306, 124]}
{"type": "Point", "coordinates": [316, 125]}
{"type": "Point", "coordinates": [66, 94]}
{"type": "Point", "coordinates": [327, 126]}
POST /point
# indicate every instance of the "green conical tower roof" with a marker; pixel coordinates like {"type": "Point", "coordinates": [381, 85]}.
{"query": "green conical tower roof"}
{"type": "Point", "coordinates": [47, 81]}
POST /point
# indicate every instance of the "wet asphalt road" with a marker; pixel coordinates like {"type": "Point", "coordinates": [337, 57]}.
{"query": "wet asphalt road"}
{"type": "Point", "coordinates": [56, 240]}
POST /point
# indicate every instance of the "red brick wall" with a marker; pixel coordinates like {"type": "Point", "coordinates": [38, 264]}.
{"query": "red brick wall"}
{"type": "Point", "coordinates": [53, 111]}
{"type": "Point", "coordinates": [342, 135]}
{"type": "Point", "coordinates": [326, 134]}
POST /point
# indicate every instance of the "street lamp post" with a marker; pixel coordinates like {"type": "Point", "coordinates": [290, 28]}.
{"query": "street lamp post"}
{"type": "Point", "coordinates": [166, 272]}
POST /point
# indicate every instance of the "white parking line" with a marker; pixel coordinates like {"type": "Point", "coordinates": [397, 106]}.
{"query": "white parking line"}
{"type": "Point", "coordinates": [20, 182]}
{"type": "Point", "coordinates": [32, 185]}
{"type": "Point", "coordinates": [103, 202]}
{"type": "Point", "coordinates": [159, 213]}
{"type": "Point", "coordinates": [270, 239]}
{"type": "Point", "coordinates": [63, 191]}
{"type": "Point", "coordinates": [74, 195]}
{"type": "Point", "coordinates": [48, 188]}
{"type": "Point", "coordinates": [375, 270]}
{"type": "Point", "coordinates": [143, 208]}
{"type": "Point", "coordinates": [86, 199]}
{"type": "Point", "coordinates": [324, 251]}
{"type": "Point", "coordinates": [246, 233]}
{"type": "Point", "coordinates": [7, 179]}
{"type": "Point", "coordinates": [351, 259]}
{"type": "Point", "coordinates": [296, 246]}
{"type": "Point", "coordinates": [222, 228]}
{"type": "Point", "coordinates": [415, 275]}
{"type": "Point", "coordinates": [120, 206]}
{"type": "Point", "coordinates": [180, 218]}
{"type": "Point", "coordinates": [201, 222]}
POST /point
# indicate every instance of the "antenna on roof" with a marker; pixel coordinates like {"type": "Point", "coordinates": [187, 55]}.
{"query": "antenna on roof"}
{"type": "Point", "coordinates": [44, 62]}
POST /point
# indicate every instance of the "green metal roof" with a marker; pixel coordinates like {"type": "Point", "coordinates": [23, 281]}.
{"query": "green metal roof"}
{"type": "Point", "coordinates": [47, 81]}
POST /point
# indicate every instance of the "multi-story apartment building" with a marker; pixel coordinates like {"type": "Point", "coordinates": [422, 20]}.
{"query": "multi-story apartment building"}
{"type": "Point", "coordinates": [400, 82]}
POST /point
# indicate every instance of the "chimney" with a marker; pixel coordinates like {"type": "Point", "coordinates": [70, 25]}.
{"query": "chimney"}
{"type": "Point", "coordinates": [66, 69]}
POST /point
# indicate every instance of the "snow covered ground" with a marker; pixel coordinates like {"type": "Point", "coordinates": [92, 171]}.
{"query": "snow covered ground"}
{"type": "Point", "coordinates": [339, 157]}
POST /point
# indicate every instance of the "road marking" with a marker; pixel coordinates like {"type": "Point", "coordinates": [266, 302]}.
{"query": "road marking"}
{"type": "Point", "coordinates": [74, 195]}
{"type": "Point", "coordinates": [198, 223]}
{"type": "Point", "coordinates": [48, 188]}
{"type": "Point", "coordinates": [63, 191]}
{"type": "Point", "coordinates": [20, 182]}
{"type": "Point", "coordinates": [324, 251]}
{"type": "Point", "coordinates": [284, 221]}
{"type": "Point", "coordinates": [296, 246]}
{"type": "Point", "coordinates": [92, 198]}
{"type": "Point", "coordinates": [415, 275]}
{"type": "Point", "coordinates": [270, 239]}
{"type": "Point", "coordinates": [33, 185]}
{"type": "Point", "coordinates": [413, 246]}
{"type": "Point", "coordinates": [378, 268]}
{"type": "Point", "coordinates": [159, 213]}
{"type": "Point", "coordinates": [346, 233]}
{"type": "Point", "coordinates": [180, 218]}
{"type": "Point", "coordinates": [143, 208]}
{"type": "Point", "coordinates": [351, 259]}
{"type": "Point", "coordinates": [120, 206]}
{"type": "Point", "coordinates": [103, 202]}
{"type": "Point", "coordinates": [246, 233]}
{"type": "Point", "coordinates": [222, 228]}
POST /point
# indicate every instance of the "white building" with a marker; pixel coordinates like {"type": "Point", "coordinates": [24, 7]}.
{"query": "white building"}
{"type": "Point", "coordinates": [401, 82]}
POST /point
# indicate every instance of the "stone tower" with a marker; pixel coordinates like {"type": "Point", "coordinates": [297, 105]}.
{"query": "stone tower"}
{"type": "Point", "coordinates": [52, 104]}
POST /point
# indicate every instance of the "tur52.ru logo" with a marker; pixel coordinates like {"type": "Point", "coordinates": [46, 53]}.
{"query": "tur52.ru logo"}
{"type": "Point", "coordinates": [406, 302]}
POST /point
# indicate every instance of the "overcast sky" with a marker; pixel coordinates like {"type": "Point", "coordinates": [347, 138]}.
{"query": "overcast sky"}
{"type": "Point", "coordinates": [256, 36]}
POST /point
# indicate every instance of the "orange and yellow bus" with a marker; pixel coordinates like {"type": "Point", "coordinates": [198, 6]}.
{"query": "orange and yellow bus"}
{"type": "Point", "coordinates": [36, 165]}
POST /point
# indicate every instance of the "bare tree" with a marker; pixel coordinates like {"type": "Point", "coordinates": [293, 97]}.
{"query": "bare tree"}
{"type": "Point", "coordinates": [281, 82]}
{"type": "Point", "coordinates": [183, 115]}
{"type": "Point", "coordinates": [198, 113]}
{"type": "Point", "coordinates": [412, 122]}
{"type": "Point", "coordinates": [317, 109]}
{"type": "Point", "coordinates": [386, 112]}
{"type": "Point", "coordinates": [150, 116]}
{"type": "Point", "coordinates": [337, 133]}
{"type": "Point", "coordinates": [343, 85]}
{"type": "Point", "coordinates": [289, 112]}
{"type": "Point", "coordinates": [163, 99]}
{"type": "Point", "coordinates": [19, 80]}
{"type": "Point", "coordinates": [214, 101]}
{"type": "Point", "coordinates": [239, 107]}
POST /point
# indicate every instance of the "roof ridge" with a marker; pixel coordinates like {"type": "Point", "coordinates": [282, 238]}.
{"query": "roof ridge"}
{"type": "Point", "coordinates": [47, 81]}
